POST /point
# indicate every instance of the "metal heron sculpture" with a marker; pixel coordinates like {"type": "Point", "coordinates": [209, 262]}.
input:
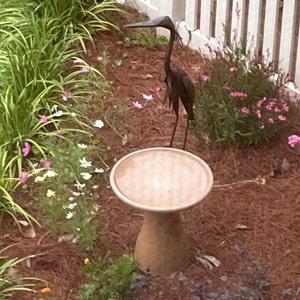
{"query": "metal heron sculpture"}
{"type": "Point", "coordinates": [179, 85]}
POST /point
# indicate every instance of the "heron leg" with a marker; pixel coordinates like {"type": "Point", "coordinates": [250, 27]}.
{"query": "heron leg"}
{"type": "Point", "coordinates": [186, 133]}
{"type": "Point", "coordinates": [174, 130]}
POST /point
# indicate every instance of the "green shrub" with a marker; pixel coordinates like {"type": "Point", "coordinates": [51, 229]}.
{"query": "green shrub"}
{"type": "Point", "coordinates": [108, 282]}
{"type": "Point", "coordinates": [240, 99]}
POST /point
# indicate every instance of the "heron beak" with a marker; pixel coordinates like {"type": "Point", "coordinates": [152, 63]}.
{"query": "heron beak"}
{"type": "Point", "coordinates": [152, 23]}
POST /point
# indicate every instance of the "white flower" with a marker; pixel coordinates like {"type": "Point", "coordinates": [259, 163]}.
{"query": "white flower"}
{"type": "Point", "coordinates": [82, 146]}
{"type": "Point", "coordinates": [54, 108]}
{"type": "Point", "coordinates": [86, 176]}
{"type": "Point", "coordinates": [95, 186]}
{"type": "Point", "coordinates": [120, 1]}
{"type": "Point", "coordinates": [50, 193]}
{"type": "Point", "coordinates": [71, 198]}
{"type": "Point", "coordinates": [99, 170]}
{"type": "Point", "coordinates": [69, 215]}
{"type": "Point", "coordinates": [98, 123]}
{"type": "Point", "coordinates": [79, 185]}
{"type": "Point", "coordinates": [72, 205]}
{"type": "Point", "coordinates": [147, 97]}
{"type": "Point", "coordinates": [84, 163]}
{"type": "Point", "coordinates": [50, 173]}
{"type": "Point", "coordinates": [75, 194]}
{"type": "Point", "coordinates": [58, 113]}
{"type": "Point", "coordinates": [39, 178]}
{"type": "Point", "coordinates": [73, 114]}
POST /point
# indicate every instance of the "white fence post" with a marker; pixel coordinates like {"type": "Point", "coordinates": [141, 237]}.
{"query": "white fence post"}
{"type": "Point", "coordinates": [254, 21]}
{"type": "Point", "coordinates": [287, 34]}
{"type": "Point", "coordinates": [205, 18]}
{"type": "Point", "coordinates": [270, 28]}
{"type": "Point", "coordinates": [191, 14]}
{"type": "Point", "coordinates": [238, 15]}
{"type": "Point", "coordinates": [221, 19]}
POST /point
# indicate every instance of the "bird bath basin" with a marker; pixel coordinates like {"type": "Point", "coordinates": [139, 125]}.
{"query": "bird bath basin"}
{"type": "Point", "coordinates": [161, 182]}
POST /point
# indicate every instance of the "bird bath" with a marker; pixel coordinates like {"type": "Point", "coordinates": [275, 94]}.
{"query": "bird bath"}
{"type": "Point", "coordinates": [161, 182]}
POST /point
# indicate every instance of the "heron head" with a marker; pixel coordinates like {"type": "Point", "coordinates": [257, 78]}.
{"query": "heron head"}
{"type": "Point", "coordinates": [163, 21]}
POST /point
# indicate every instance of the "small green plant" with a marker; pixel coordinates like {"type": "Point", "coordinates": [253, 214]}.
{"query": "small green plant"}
{"type": "Point", "coordinates": [108, 282]}
{"type": "Point", "coordinates": [240, 99]}
{"type": "Point", "coordinates": [67, 191]}
{"type": "Point", "coordinates": [10, 280]}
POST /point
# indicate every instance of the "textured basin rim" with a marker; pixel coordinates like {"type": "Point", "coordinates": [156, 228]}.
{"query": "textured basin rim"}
{"type": "Point", "coordinates": [151, 208]}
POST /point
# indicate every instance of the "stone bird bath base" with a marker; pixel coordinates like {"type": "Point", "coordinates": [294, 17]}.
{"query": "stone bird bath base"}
{"type": "Point", "coordinates": [161, 182]}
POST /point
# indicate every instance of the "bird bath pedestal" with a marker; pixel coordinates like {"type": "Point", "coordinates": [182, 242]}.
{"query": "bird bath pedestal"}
{"type": "Point", "coordinates": [161, 182]}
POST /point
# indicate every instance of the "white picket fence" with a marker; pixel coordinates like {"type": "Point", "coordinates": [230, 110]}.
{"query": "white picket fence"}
{"type": "Point", "coordinates": [271, 27]}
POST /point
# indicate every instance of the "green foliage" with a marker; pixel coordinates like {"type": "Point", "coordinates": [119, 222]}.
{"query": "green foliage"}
{"type": "Point", "coordinates": [144, 37]}
{"type": "Point", "coordinates": [10, 281]}
{"type": "Point", "coordinates": [67, 192]}
{"type": "Point", "coordinates": [240, 99]}
{"type": "Point", "coordinates": [108, 282]}
{"type": "Point", "coordinates": [39, 43]}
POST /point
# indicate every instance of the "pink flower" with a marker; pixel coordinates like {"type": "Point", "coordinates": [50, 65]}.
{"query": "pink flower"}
{"type": "Point", "coordinates": [271, 120]}
{"type": "Point", "coordinates": [233, 69]}
{"type": "Point", "coordinates": [46, 162]}
{"type": "Point", "coordinates": [245, 110]}
{"type": "Point", "coordinates": [277, 109]}
{"type": "Point", "coordinates": [238, 11]}
{"type": "Point", "coordinates": [77, 61]}
{"type": "Point", "coordinates": [270, 105]}
{"type": "Point", "coordinates": [239, 95]}
{"type": "Point", "coordinates": [66, 96]}
{"type": "Point", "coordinates": [85, 70]}
{"type": "Point", "coordinates": [43, 119]}
{"type": "Point", "coordinates": [293, 140]}
{"type": "Point", "coordinates": [24, 176]}
{"type": "Point", "coordinates": [286, 107]}
{"type": "Point", "coordinates": [26, 149]}
{"type": "Point", "coordinates": [282, 118]}
{"type": "Point", "coordinates": [258, 113]}
{"type": "Point", "coordinates": [260, 102]}
{"type": "Point", "coordinates": [205, 77]}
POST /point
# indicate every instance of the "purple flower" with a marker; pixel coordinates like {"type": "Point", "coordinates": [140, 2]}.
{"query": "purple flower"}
{"type": "Point", "coordinates": [77, 61]}
{"type": "Point", "coordinates": [147, 97]}
{"type": "Point", "coordinates": [24, 176]}
{"type": "Point", "coordinates": [233, 69]}
{"type": "Point", "coordinates": [46, 162]}
{"type": "Point", "coordinates": [137, 104]}
{"type": "Point", "coordinates": [26, 149]}
{"type": "Point", "coordinates": [205, 77]}
{"type": "Point", "coordinates": [85, 70]}
{"type": "Point", "coordinates": [66, 96]}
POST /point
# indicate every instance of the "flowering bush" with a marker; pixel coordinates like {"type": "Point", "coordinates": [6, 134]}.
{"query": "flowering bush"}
{"type": "Point", "coordinates": [241, 99]}
{"type": "Point", "coordinates": [67, 192]}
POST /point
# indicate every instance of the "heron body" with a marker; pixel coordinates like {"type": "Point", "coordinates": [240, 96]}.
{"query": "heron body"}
{"type": "Point", "coordinates": [179, 85]}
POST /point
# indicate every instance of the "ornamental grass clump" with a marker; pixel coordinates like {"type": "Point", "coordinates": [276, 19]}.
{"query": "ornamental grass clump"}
{"type": "Point", "coordinates": [241, 99]}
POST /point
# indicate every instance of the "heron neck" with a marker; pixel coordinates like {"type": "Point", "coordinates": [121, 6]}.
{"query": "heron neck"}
{"type": "Point", "coordinates": [169, 51]}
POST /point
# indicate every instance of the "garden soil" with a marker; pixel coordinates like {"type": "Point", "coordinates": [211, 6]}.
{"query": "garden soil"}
{"type": "Point", "coordinates": [250, 222]}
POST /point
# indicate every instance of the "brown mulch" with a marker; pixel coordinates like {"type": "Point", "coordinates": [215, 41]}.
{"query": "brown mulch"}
{"type": "Point", "coordinates": [252, 228]}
